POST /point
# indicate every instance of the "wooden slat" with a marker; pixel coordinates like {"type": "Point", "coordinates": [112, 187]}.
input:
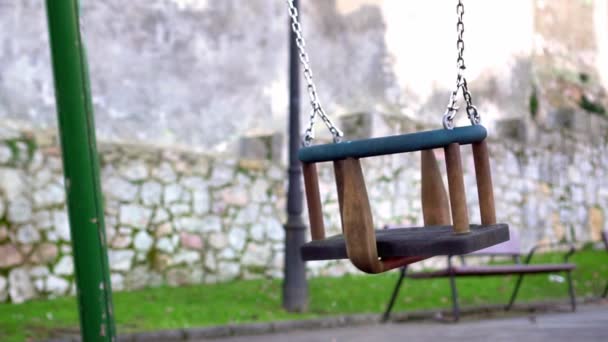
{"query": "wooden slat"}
{"type": "Point", "coordinates": [485, 191]}
{"type": "Point", "coordinates": [458, 199]}
{"type": "Point", "coordinates": [435, 204]}
{"type": "Point", "coordinates": [313, 201]}
{"type": "Point", "coordinates": [358, 224]}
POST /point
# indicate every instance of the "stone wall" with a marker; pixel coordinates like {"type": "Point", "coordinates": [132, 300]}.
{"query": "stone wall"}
{"type": "Point", "coordinates": [179, 217]}
{"type": "Point", "coordinates": [172, 217]}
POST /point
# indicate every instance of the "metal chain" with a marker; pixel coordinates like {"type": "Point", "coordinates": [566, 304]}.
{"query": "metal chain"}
{"type": "Point", "coordinates": [461, 81]}
{"type": "Point", "coordinates": [317, 109]}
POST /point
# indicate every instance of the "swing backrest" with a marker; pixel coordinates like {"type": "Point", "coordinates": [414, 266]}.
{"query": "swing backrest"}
{"type": "Point", "coordinates": [393, 144]}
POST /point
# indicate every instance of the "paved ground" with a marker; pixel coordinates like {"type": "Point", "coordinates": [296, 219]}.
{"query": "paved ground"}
{"type": "Point", "coordinates": [590, 323]}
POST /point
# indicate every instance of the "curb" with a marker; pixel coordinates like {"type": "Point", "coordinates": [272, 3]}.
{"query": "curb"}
{"type": "Point", "coordinates": [230, 330]}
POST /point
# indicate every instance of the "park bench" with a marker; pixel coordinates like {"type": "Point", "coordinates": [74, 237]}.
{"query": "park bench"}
{"type": "Point", "coordinates": [605, 239]}
{"type": "Point", "coordinates": [510, 249]}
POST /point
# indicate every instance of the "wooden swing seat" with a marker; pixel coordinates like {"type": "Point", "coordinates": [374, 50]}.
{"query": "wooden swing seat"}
{"type": "Point", "coordinates": [413, 242]}
{"type": "Point", "coordinates": [376, 251]}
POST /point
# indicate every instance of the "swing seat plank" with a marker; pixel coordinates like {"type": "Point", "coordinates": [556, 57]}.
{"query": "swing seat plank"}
{"type": "Point", "coordinates": [393, 144]}
{"type": "Point", "coordinates": [413, 242]}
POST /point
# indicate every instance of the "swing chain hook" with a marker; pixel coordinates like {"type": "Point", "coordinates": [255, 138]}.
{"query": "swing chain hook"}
{"type": "Point", "coordinates": [317, 109]}
{"type": "Point", "coordinates": [461, 81]}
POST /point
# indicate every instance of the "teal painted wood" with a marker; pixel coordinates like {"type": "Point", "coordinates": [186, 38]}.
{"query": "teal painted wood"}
{"type": "Point", "coordinates": [392, 144]}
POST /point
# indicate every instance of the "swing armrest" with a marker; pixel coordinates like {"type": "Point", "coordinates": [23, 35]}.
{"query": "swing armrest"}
{"type": "Point", "coordinates": [392, 144]}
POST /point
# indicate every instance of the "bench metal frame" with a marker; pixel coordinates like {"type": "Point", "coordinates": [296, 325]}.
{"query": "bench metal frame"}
{"type": "Point", "coordinates": [525, 268]}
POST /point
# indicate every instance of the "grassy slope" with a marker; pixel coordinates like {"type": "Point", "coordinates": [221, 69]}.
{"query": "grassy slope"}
{"type": "Point", "coordinates": [259, 300]}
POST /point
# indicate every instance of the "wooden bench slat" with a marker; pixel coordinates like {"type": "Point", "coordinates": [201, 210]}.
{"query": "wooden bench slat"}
{"type": "Point", "coordinates": [491, 270]}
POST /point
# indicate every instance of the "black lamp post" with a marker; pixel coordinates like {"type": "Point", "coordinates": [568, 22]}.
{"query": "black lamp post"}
{"type": "Point", "coordinates": [295, 285]}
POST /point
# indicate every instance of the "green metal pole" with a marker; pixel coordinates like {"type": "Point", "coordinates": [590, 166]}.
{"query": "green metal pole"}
{"type": "Point", "coordinates": [81, 168]}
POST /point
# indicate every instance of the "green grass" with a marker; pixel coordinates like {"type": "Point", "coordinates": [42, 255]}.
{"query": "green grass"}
{"type": "Point", "coordinates": [259, 300]}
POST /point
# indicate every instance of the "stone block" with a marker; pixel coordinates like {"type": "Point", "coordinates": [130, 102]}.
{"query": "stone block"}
{"type": "Point", "coordinates": [257, 232]}
{"type": "Point", "coordinates": [193, 183]}
{"type": "Point", "coordinates": [161, 215]}
{"type": "Point", "coordinates": [61, 224]}
{"type": "Point", "coordinates": [21, 287]}
{"type": "Point", "coordinates": [13, 183]}
{"type": "Point", "coordinates": [3, 289]}
{"type": "Point", "coordinates": [221, 175]}
{"type": "Point", "coordinates": [180, 209]}
{"type": "Point", "coordinates": [189, 224]}
{"type": "Point", "coordinates": [164, 173]}
{"type": "Point", "coordinates": [185, 257]}
{"type": "Point", "coordinates": [120, 189]}
{"type": "Point", "coordinates": [256, 255]}
{"type": "Point", "coordinates": [118, 281]}
{"type": "Point", "coordinates": [515, 129]}
{"type": "Point", "coordinates": [42, 220]}
{"type": "Point", "coordinates": [201, 202]}
{"type": "Point", "coordinates": [57, 285]}
{"type": "Point", "coordinates": [161, 262]}
{"type": "Point", "coordinates": [165, 244]}
{"type": "Point", "coordinates": [227, 270]}
{"type": "Point", "coordinates": [218, 240]}
{"type": "Point", "coordinates": [211, 224]}
{"type": "Point", "coordinates": [184, 276]}
{"type": "Point", "coordinates": [19, 210]}
{"type": "Point", "coordinates": [3, 233]}
{"type": "Point", "coordinates": [50, 195]}
{"type": "Point", "coordinates": [28, 235]}
{"type": "Point", "coordinates": [562, 118]}
{"type": "Point", "coordinates": [259, 190]}
{"type": "Point", "coordinates": [235, 196]}
{"type": "Point", "coordinates": [120, 260]}
{"type": "Point", "coordinates": [139, 277]}
{"type": "Point", "coordinates": [65, 266]}
{"type": "Point", "coordinates": [363, 125]}
{"type": "Point", "coordinates": [121, 241]}
{"type": "Point", "coordinates": [247, 215]}
{"type": "Point", "coordinates": [151, 193]}
{"type": "Point", "coordinates": [6, 154]}
{"type": "Point", "coordinates": [163, 230]}
{"type": "Point", "coordinates": [135, 216]}
{"type": "Point", "coordinates": [262, 147]}
{"type": "Point", "coordinates": [237, 237]}
{"type": "Point", "coordinates": [174, 193]}
{"type": "Point", "coordinates": [191, 241]}
{"type": "Point", "coordinates": [39, 272]}
{"type": "Point", "coordinates": [10, 256]}
{"type": "Point", "coordinates": [142, 241]}
{"type": "Point", "coordinates": [135, 170]}
{"type": "Point", "coordinates": [227, 253]}
{"type": "Point", "coordinates": [596, 223]}
{"type": "Point", "coordinates": [45, 253]}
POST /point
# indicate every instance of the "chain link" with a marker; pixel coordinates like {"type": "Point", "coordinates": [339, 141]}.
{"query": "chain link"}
{"type": "Point", "coordinates": [317, 109]}
{"type": "Point", "coordinates": [461, 81]}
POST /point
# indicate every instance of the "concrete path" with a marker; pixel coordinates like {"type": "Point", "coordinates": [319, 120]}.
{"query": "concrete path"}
{"type": "Point", "coordinates": [590, 323]}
